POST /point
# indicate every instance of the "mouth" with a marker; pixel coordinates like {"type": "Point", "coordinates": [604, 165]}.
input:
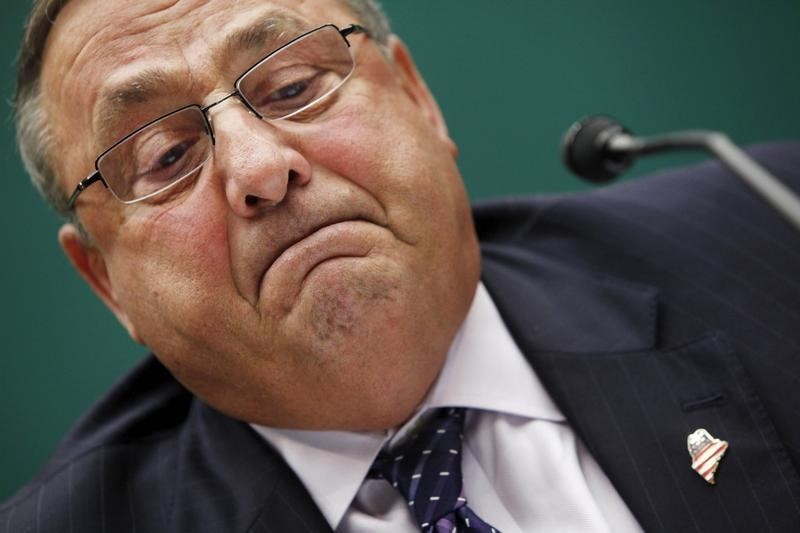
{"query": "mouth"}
{"type": "Point", "coordinates": [307, 233]}
{"type": "Point", "coordinates": [334, 239]}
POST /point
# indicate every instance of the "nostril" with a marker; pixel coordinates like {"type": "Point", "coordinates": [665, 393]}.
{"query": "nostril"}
{"type": "Point", "coordinates": [293, 175]}
{"type": "Point", "coordinates": [250, 200]}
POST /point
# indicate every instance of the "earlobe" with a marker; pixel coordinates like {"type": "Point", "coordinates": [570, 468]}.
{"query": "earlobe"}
{"type": "Point", "coordinates": [91, 265]}
{"type": "Point", "coordinates": [416, 88]}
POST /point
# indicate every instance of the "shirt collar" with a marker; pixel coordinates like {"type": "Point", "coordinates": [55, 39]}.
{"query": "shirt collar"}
{"type": "Point", "coordinates": [484, 369]}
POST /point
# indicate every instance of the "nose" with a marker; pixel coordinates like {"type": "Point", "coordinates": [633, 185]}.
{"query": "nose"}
{"type": "Point", "coordinates": [256, 164]}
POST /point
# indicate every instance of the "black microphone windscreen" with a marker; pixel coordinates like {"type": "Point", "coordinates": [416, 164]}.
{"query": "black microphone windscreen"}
{"type": "Point", "coordinates": [584, 152]}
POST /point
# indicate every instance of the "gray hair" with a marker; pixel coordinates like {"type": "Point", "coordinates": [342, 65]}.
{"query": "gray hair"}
{"type": "Point", "coordinates": [34, 137]}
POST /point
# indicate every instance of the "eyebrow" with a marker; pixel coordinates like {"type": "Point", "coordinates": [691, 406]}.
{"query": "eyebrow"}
{"type": "Point", "coordinates": [270, 31]}
{"type": "Point", "coordinates": [276, 29]}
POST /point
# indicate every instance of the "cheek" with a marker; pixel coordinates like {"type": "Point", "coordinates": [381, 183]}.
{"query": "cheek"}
{"type": "Point", "coordinates": [396, 155]}
{"type": "Point", "coordinates": [164, 269]}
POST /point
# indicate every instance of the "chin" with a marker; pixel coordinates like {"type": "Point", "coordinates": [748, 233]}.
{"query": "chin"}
{"type": "Point", "coordinates": [345, 302]}
{"type": "Point", "coordinates": [368, 349]}
{"type": "Point", "coordinates": [363, 342]}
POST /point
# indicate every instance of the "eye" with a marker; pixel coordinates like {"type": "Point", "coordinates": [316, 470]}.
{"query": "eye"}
{"type": "Point", "coordinates": [157, 155]}
{"type": "Point", "coordinates": [289, 91]}
{"type": "Point", "coordinates": [172, 156]}
{"type": "Point", "coordinates": [284, 91]}
{"type": "Point", "coordinates": [165, 159]}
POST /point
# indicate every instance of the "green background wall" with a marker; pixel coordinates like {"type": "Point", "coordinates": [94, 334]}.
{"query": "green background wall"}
{"type": "Point", "coordinates": [510, 76]}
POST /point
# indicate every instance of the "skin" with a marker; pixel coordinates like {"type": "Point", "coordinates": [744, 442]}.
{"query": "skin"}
{"type": "Point", "coordinates": [315, 272]}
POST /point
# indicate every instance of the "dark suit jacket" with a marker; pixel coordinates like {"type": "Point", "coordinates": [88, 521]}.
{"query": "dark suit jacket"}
{"type": "Point", "coordinates": [648, 310]}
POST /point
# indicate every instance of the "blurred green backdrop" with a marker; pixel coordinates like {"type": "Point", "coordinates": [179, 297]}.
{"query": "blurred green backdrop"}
{"type": "Point", "coordinates": [510, 76]}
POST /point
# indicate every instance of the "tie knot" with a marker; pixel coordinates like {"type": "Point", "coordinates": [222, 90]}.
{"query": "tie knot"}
{"type": "Point", "coordinates": [426, 467]}
{"type": "Point", "coordinates": [438, 439]}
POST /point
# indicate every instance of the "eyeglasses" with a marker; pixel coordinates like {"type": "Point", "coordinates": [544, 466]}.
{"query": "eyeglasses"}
{"type": "Point", "coordinates": [169, 149]}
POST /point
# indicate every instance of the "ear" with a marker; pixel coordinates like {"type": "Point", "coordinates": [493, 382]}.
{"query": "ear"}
{"type": "Point", "coordinates": [417, 89]}
{"type": "Point", "coordinates": [91, 265]}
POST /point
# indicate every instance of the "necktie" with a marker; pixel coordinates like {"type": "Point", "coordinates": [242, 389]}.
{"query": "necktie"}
{"type": "Point", "coordinates": [427, 471]}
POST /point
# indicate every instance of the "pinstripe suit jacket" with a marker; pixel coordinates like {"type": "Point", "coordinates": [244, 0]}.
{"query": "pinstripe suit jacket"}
{"type": "Point", "coordinates": [648, 310]}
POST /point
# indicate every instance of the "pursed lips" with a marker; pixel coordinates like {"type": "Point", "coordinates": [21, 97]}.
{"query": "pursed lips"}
{"type": "Point", "coordinates": [307, 231]}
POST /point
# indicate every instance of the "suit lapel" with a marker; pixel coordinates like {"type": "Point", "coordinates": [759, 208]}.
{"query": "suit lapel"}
{"type": "Point", "coordinates": [229, 479]}
{"type": "Point", "coordinates": [593, 343]}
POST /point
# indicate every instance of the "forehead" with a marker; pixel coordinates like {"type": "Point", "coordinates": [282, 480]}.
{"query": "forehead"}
{"type": "Point", "coordinates": [120, 29]}
{"type": "Point", "coordinates": [101, 50]}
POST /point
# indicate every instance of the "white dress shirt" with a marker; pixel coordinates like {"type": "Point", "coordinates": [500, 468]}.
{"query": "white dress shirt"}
{"type": "Point", "coordinates": [523, 467]}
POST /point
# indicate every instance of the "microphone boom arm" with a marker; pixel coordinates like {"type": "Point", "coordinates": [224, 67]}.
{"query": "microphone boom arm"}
{"type": "Point", "coordinates": [754, 175]}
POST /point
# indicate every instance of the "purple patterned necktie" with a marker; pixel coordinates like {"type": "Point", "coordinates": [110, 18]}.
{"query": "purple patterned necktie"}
{"type": "Point", "coordinates": [427, 471]}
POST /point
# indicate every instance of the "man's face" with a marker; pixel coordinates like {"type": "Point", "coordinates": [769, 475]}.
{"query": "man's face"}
{"type": "Point", "coordinates": [317, 269]}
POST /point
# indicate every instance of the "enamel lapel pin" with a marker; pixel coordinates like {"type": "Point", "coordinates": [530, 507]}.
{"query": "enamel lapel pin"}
{"type": "Point", "coordinates": [706, 452]}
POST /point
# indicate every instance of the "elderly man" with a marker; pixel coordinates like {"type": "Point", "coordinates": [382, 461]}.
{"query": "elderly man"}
{"type": "Point", "coordinates": [275, 211]}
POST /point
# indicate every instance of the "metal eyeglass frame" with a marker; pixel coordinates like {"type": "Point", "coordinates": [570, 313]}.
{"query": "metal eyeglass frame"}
{"type": "Point", "coordinates": [96, 176]}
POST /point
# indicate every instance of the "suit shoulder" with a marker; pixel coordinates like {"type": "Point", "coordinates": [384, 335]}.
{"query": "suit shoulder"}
{"type": "Point", "coordinates": [712, 181]}
{"type": "Point", "coordinates": [673, 204]}
{"type": "Point", "coordinates": [510, 218]}
{"type": "Point", "coordinates": [125, 439]}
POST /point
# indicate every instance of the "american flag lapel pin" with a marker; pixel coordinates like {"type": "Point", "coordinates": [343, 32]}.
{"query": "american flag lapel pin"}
{"type": "Point", "coordinates": [706, 452]}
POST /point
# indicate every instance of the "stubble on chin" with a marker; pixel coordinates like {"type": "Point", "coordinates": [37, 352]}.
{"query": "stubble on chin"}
{"type": "Point", "coordinates": [353, 307]}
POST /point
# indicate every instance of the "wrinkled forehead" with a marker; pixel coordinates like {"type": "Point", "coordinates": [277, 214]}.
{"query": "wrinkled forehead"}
{"type": "Point", "coordinates": [117, 26]}
{"type": "Point", "coordinates": [102, 55]}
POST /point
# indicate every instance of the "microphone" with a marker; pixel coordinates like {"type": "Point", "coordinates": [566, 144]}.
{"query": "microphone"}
{"type": "Point", "coordinates": [598, 149]}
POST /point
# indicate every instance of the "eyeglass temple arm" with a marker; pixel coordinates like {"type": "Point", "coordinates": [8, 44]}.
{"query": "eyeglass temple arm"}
{"type": "Point", "coordinates": [354, 28]}
{"type": "Point", "coordinates": [84, 183]}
